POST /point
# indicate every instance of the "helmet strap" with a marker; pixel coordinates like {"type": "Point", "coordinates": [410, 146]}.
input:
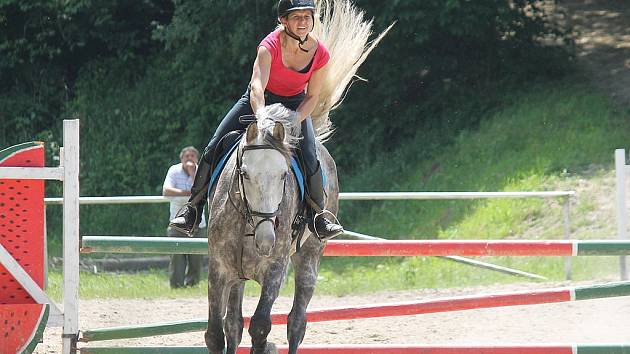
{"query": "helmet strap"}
{"type": "Point", "coordinates": [297, 38]}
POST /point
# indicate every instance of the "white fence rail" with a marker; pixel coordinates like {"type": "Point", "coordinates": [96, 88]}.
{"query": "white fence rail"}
{"type": "Point", "coordinates": [343, 196]}
{"type": "Point", "coordinates": [565, 195]}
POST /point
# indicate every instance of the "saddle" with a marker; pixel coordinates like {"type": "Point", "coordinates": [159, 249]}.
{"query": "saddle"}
{"type": "Point", "coordinates": [228, 144]}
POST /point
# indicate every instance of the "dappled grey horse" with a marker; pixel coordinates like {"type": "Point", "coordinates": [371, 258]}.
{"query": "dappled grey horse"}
{"type": "Point", "coordinates": [252, 208]}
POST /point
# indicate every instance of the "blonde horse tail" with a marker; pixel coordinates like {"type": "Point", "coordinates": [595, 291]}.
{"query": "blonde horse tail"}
{"type": "Point", "coordinates": [346, 34]}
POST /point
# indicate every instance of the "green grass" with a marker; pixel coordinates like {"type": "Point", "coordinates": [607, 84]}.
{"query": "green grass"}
{"type": "Point", "coordinates": [377, 274]}
{"type": "Point", "coordinates": [547, 137]}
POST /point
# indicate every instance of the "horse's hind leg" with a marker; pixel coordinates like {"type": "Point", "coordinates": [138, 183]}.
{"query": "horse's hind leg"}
{"type": "Point", "coordinates": [233, 323]}
{"type": "Point", "coordinates": [260, 324]}
{"type": "Point", "coordinates": [306, 267]}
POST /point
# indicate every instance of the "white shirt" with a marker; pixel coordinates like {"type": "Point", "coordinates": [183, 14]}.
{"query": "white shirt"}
{"type": "Point", "coordinates": [176, 177]}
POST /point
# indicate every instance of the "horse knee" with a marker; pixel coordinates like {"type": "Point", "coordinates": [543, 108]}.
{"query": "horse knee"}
{"type": "Point", "coordinates": [297, 317]}
{"type": "Point", "coordinates": [259, 327]}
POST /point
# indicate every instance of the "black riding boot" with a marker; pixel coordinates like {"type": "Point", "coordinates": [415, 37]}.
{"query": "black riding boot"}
{"type": "Point", "coordinates": [188, 217]}
{"type": "Point", "coordinates": [322, 226]}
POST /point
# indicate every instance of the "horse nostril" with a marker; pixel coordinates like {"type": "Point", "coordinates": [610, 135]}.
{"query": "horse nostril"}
{"type": "Point", "coordinates": [265, 241]}
{"type": "Point", "coordinates": [276, 223]}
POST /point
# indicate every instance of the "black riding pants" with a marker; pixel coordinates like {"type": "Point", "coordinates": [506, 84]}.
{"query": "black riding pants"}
{"type": "Point", "coordinates": [243, 107]}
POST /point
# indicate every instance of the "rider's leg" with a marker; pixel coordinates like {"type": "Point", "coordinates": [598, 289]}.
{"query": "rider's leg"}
{"type": "Point", "coordinates": [324, 226]}
{"type": "Point", "coordinates": [188, 218]}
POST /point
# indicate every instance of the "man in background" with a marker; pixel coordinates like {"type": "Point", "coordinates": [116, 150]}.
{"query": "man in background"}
{"type": "Point", "coordinates": [184, 269]}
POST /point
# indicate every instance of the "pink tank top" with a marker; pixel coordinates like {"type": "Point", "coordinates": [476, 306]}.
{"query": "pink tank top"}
{"type": "Point", "coordinates": [282, 80]}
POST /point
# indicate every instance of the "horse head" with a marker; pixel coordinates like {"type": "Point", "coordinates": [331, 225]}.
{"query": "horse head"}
{"type": "Point", "coordinates": [264, 165]}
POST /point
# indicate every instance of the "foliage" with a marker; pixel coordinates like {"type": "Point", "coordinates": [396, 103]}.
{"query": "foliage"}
{"type": "Point", "coordinates": [148, 77]}
{"type": "Point", "coordinates": [444, 53]}
{"type": "Point", "coordinates": [44, 44]}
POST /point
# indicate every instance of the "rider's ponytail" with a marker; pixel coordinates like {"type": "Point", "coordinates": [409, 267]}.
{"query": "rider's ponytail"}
{"type": "Point", "coordinates": [346, 34]}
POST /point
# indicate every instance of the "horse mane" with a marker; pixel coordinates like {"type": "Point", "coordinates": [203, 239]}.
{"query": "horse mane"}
{"type": "Point", "coordinates": [266, 119]}
{"type": "Point", "coordinates": [345, 33]}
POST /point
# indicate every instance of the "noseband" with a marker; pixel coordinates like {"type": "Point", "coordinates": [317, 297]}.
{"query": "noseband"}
{"type": "Point", "coordinates": [249, 213]}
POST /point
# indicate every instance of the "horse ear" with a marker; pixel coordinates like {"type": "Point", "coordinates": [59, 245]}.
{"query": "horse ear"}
{"type": "Point", "coordinates": [252, 132]}
{"type": "Point", "coordinates": [278, 131]}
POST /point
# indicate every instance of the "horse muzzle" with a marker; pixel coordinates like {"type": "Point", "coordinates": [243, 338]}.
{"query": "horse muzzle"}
{"type": "Point", "coordinates": [265, 237]}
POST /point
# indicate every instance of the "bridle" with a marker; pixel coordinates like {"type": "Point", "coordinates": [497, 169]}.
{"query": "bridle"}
{"type": "Point", "coordinates": [248, 212]}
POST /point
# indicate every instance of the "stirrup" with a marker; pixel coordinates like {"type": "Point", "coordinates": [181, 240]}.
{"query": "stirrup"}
{"type": "Point", "coordinates": [195, 225]}
{"type": "Point", "coordinates": [321, 214]}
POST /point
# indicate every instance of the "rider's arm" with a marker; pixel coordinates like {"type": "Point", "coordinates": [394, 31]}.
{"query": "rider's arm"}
{"type": "Point", "coordinates": [260, 77]}
{"type": "Point", "coordinates": [312, 93]}
{"type": "Point", "coordinates": [175, 192]}
{"type": "Point", "coordinates": [169, 189]}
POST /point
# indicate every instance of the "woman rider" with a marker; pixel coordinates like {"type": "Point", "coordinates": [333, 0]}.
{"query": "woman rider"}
{"type": "Point", "coordinates": [288, 60]}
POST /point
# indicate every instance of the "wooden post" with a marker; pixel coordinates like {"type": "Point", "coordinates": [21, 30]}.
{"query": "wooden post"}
{"type": "Point", "coordinates": [70, 235]}
{"type": "Point", "coordinates": [622, 217]}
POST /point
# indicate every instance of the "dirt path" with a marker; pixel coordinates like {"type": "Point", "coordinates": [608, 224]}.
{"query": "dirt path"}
{"type": "Point", "coordinates": [592, 321]}
{"type": "Point", "coordinates": [602, 29]}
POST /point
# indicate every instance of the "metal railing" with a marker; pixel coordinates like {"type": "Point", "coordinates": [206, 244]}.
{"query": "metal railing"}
{"type": "Point", "coordinates": [565, 195]}
{"type": "Point", "coordinates": [342, 196]}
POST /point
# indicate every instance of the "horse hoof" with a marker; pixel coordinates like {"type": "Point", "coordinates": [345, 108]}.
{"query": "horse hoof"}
{"type": "Point", "coordinates": [271, 348]}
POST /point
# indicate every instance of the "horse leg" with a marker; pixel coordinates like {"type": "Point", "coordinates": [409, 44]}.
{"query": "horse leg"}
{"type": "Point", "coordinates": [306, 267]}
{"type": "Point", "coordinates": [260, 324]}
{"type": "Point", "coordinates": [218, 288]}
{"type": "Point", "coordinates": [233, 323]}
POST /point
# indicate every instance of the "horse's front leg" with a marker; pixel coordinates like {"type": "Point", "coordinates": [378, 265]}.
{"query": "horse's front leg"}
{"type": "Point", "coordinates": [260, 324]}
{"type": "Point", "coordinates": [218, 289]}
{"type": "Point", "coordinates": [233, 324]}
{"type": "Point", "coordinates": [306, 267]}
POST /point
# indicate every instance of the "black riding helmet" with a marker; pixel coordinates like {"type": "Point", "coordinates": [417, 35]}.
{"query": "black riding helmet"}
{"type": "Point", "coordinates": [286, 6]}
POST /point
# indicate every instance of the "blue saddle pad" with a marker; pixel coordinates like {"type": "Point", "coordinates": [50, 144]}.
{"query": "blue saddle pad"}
{"type": "Point", "coordinates": [295, 167]}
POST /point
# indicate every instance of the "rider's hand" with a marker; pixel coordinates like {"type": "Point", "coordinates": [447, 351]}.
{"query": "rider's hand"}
{"type": "Point", "coordinates": [261, 113]}
{"type": "Point", "coordinates": [294, 117]}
